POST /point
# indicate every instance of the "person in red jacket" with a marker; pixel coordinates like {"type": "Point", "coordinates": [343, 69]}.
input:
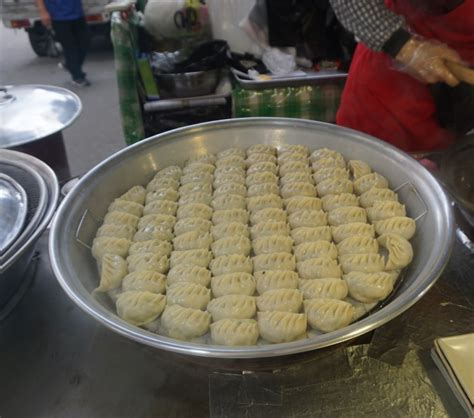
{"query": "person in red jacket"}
{"type": "Point", "coordinates": [405, 46]}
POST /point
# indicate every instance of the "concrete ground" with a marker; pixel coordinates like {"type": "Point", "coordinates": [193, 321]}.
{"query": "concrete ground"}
{"type": "Point", "coordinates": [97, 133]}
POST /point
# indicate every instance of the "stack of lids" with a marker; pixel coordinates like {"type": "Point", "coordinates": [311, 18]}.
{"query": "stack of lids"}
{"type": "Point", "coordinates": [454, 356]}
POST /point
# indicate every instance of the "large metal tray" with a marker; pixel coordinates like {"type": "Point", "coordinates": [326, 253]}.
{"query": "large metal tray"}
{"type": "Point", "coordinates": [79, 216]}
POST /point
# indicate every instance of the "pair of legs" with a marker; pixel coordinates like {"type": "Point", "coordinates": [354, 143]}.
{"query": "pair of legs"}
{"type": "Point", "coordinates": [73, 37]}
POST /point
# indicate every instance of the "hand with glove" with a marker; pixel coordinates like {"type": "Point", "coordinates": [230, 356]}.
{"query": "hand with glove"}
{"type": "Point", "coordinates": [426, 60]}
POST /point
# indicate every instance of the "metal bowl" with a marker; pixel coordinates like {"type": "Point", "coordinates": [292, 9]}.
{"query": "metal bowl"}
{"type": "Point", "coordinates": [79, 216]}
{"type": "Point", "coordinates": [198, 83]}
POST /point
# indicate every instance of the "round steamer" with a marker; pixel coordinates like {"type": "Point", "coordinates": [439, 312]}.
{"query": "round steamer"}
{"type": "Point", "coordinates": [76, 221]}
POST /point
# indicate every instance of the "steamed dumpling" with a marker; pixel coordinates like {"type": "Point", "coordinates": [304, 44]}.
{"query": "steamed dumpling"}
{"type": "Point", "coordinates": [148, 262]}
{"type": "Point", "coordinates": [113, 270]}
{"type": "Point", "coordinates": [364, 183]}
{"type": "Point", "coordinates": [268, 228]}
{"type": "Point", "coordinates": [358, 168]}
{"type": "Point", "coordinates": [296, 177]}
{"type": "Point", "coordinates": [121, 218]}
{"type": "Point", "coordinates": [230, 215]}
{"type": "Point", "coordinates": [263, 189]}
{"type": "Point", "coordinates": [231, 188]}
{"type": "Point", "coordinates": [286, 300]}
{"type": "Point", "coordinates": [135, 194]}
{"type": "Point", "coordinates": [328, 288]}
{"type": "Point", "coordinates": [358, 244]}
{"type": "Point", "coordinates": [233, 284]}
{"type": "Point", "coordinates": [235, 263]}
{"type": "Point", "coordinates": [311, 234]}
{"type": "Point", "coordinates": [166, 207]}
{"type": "Point", "coordinates": [189, 273]}
{"type": "Point", "coordinates": [328, 315]}
{"type": "Point", "coordinates": [397, 225]}
{"type": "Point", "coordinates": [331, 172]}
{"type": "Point", "coordinates": [194, 210]}
{"type": "Point", "coordinates": [140, 308]}
{"type": "Point", "coordinates": [234, 332]}
{"type": "Point", "coordinates": [257, 203]}
{"type": "Point", "coordinates": [315, 249]}
{"type": "Point", "coordinates": [297, 189]}
{"type": "Point", "coordinates": [116, 231]}
{"type": "Point", "coordinates": [188, 295]}
{"type": "Point", "coordinates": [107, 245]}
{"type": "Point", "coordinates": [192, 240]}
{"type": "Point", "coordinates": [297, 203]}
{"type": "Point", "coordinates": [157, 219]}
{"type": "Point", "coordinates": [229, 229]}
{"type": "Point", "coordinates": [259, 157]}
{"type": "Point", "coordinates": [374, 195]}
{"type": "Point", "coordinates": [185, 323]}
{"type": "Point", "coordinates": [308, 218]}
{"type": "Point", "coordinates": [347, 215]}
{"type": "Point", "coordinates": [384, 210]}
{"type": "Point", "coordinates": [261, 149]}
{"type": "Point", "coordinates": [200, 257]}
{"type": "Point", "coordinates": [400, 251]}
{"type": "Point", "coordinates": [318, 268]}
{"type": "Point", "coordinates": [262, 167]}
{"type": "Point", "coordinates": [280, 327]}
{"type": "Point", "coordinates": [335, 201]}
{"type": "Point", "coordinates": [272, 244]}
{"type": "Point", "coordinates": [172, 171]}
{"type": "Point", "coordinates": [334, 186]}
{"type": "Point", "coordinates": [275, 279]}
{"type": "Point", "coordinates": [196, 197]}
{"type": "Point", "coordinates": [229, 201]}
{"type": "Point", "coordinates": [344, 231]}
{"type": "Point", "coordinates": [153, 232]}
{"type": "Point", "coordinates": [120, 205]}
{"type": "Point", "coordinates": [192, 224]}
{"type": "Point", "coordinates": [294, 166]}
{"type": "Point", "coordinates": [237, 244]}
{"type": "Point", "coordinates": [232, 306]}
{"type": "Point", "coordinates": [366, 263]}
{"type": "Point", "coordinates": [166, 193]}
{"type": "Point", "coordinates": [275, 214]}
{"type": "Point", "coordinates": [369, 287]}
{"type": "Point", "coordinates": [274, 261]}
{"type": "Point", "coordinates": [149, 281]}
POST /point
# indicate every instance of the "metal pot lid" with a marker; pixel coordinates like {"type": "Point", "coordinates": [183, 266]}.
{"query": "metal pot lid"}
{"type": "Point", "coordinates": [13, 210]}
{"type": "Point", "coordinates": [31, 112]}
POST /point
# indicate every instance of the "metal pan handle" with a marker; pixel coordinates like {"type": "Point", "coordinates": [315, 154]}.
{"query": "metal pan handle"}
{"type": "Point", "coordinates": [82, 236]}
{"type": "Point", "coordinates": [411, 189]}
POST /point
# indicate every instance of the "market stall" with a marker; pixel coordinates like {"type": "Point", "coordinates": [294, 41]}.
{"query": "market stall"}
{"type": "Point", "coordinates": [220, 79]}
{"type": "Point", "coordinates": [239, 266]}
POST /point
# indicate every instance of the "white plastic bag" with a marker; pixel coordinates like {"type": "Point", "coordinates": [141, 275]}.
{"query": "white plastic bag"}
{"type": "Point", "coordinates": [226, 17]}
{"type": "Point", "coordinates": [176, 19]}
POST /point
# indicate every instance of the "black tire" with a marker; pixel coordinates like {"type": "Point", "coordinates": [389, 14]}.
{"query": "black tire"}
{"type": "Point", "coordinates": [42, 41]}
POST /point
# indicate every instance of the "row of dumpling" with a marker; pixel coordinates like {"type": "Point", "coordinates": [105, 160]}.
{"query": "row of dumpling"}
{"type": "Point", "coordinates": [189, 276]}
{"type": "Point", "coordinates": [358, 249]}
{"type": "Point", "coordinates": [279, 302]}
{"type": "Point", "coordinates": [233, 308]}
{"type": "Point", "coordinates": [319, 279]}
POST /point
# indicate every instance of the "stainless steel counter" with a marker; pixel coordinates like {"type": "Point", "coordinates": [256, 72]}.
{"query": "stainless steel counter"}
{"type": "Point", "coordinates": [55, 361]}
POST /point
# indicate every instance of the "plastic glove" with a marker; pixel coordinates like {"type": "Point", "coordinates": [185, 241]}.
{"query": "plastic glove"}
{"type": "Point", "coordinates": [426, 61]}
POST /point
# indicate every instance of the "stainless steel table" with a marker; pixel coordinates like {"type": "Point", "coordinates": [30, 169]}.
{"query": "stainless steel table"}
{"type": "Point", "coordinates": [55, 361]}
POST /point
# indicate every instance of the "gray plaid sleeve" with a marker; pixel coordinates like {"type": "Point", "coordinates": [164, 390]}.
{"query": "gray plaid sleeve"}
{"type": "Point", "coordinates": [369, 20]}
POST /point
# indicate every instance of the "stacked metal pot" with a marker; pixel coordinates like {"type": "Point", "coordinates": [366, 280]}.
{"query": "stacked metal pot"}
{"type": "Point", "coordinates": [29, 193]}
